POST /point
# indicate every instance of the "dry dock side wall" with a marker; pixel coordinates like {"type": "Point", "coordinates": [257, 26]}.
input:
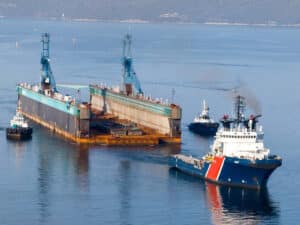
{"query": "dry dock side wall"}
{"type": "Point", "coordinates": [52, 116]}
{"type": "Point", "coordinates": [52, 113]}
{"type": "Point", "coordinates": [164, 119]}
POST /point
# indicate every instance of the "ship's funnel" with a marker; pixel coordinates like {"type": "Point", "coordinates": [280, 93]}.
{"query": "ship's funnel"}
{"type": "Point", "coordinates": [251, 122]}
{"type": "Point", "coordinates": [226, 122]}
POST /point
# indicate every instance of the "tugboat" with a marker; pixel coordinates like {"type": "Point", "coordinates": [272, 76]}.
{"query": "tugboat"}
{"type": "Point", "coordinates": [203, 124]}
{"type": "Point", "coordinates": [19, 129]}
{"type": "Point", "coordinates": [237, 157]}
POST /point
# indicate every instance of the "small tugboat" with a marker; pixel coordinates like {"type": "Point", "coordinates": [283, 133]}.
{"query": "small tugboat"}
{"type": "Point", "coordinates": [237, 157]}
{"type": "Point", "coordinates": [203, 124]}
{"type": "Point", "coordinates": [19, 129]}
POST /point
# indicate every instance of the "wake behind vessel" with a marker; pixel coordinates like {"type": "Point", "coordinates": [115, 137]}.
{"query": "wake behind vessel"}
{"type": "Point", "coordinates": [203, 124]}
{"type": "Point", "coordinates": [238, 156]}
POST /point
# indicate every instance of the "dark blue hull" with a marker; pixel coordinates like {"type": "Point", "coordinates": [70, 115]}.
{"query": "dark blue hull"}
{"type": "Point", "coordinates": [205, 129]}
{"type": "Point", "coordinates": [19, 133]}
{"type": "Point", "coordinates": [229, 171]}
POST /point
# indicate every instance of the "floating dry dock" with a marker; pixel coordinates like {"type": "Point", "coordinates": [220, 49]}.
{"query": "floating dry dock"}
{"type": "Point", "coordinates": [113, 117]}
{"type": "Point", "coordinates": [127, 121]}
{"type": "Point", "coordinates": [160, 119]}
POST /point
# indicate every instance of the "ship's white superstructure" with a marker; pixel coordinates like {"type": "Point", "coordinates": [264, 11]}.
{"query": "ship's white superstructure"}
{"type": "Point", "coordinates": [240, 142]}
{"type": "Point", "coordinates": [18, 120]}
{"type": "Point", "coordinates": [203, 117]}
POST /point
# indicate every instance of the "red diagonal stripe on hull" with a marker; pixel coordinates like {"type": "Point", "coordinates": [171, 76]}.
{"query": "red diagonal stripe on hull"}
{"type": "Point", "coordinates": [215, 168]}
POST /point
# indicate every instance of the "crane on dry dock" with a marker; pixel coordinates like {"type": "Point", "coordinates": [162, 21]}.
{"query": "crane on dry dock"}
{"type": "Point", "coordinates": [131, 82]}
{"type": "Point", "coordinates": [47, 78]}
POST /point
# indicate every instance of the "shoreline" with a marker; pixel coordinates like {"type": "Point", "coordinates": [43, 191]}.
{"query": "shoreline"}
{"type": "Point", "coordinates": [140, 21]}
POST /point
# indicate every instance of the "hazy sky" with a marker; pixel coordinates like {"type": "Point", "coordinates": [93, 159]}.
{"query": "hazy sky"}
{"type": "Point", "coordinates": [244, 11]}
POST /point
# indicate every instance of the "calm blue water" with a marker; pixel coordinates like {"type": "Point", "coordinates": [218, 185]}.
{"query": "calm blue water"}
{"type": "Point", "coordinates": [50, 181]}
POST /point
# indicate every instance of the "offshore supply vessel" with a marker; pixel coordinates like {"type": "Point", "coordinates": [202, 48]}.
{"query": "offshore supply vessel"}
{"type": "Point", "coordinates": [114, 116]}
{"type": "Point", "coordinates": [237, 157]}
{"type": "Point", "coordinates": [203, 124]}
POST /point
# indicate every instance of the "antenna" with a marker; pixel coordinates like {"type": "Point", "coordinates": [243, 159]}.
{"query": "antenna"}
{"type": "Point", "coordinates": [173, 95]}
{"type": "Point", "coordinates": [239, 108]}
{"type": "Point", "coordinates": [79, 95]}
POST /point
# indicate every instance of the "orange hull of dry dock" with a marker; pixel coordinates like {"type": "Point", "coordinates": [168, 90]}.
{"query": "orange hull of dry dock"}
{"type": "Point", "coordinates": [153, 139]}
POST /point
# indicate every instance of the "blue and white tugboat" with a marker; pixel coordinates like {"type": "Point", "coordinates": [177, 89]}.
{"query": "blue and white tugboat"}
{"type": "Point", "coordinates": [237, 157]}
{"type": "Point", "coordinates": [19, 129]}
{"type": "Point", "coordinates": [203, 124]}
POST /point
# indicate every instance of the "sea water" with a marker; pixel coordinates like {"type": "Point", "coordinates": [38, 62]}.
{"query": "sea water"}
{"type": "Point", "coordinates": [49, 180]}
